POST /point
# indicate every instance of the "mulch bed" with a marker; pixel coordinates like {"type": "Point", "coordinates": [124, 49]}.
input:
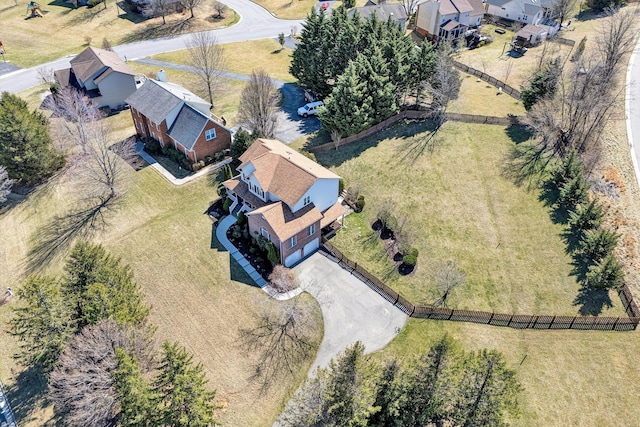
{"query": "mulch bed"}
{"type": "Point", "coordinates": [258, 259]}
{"type": "Point", "coordinates": [391, 247]}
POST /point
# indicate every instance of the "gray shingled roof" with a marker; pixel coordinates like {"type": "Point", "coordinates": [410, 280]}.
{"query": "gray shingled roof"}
{"type": "Point", "coordinates": [188, 126]}
{"type": "Point", "coordinates": [383, 11]}
{"type": "Point", "coordinates": [153, 101]}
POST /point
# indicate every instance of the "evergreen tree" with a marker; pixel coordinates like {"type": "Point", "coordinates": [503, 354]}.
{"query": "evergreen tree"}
{"type": "Point", "coordinates": [372, 69]}
{"type": "Point", "coordinates": [574, 193]}
{"type": "Point", "coordinates": [586, 216]}
{"type": "Point", "coordinates": [596, 245]}
{"type": "Point", "coordinates": [543, 84]}
{"type": "Point", "coordinates": [605, 274]}
{"type": "Point", "coordinates": [423, 64]}
{"type": "Point", "coordinates": [101, 287]}
{"type": "Point", "coordinates": [389, 395]}
{"type": "Point", "coordinates": [349, 108]}
{"type": "Point", "coordinates": [26, 150]}
{"type": "Point", "coordinates": [181, 390]}
{"type": "Point", "coordinates": [44, 323]}
{"type": "Point", "coordinates": [242, 140]}
{"type": "Point", "coordinates": [134, 394]}
{"type": "Point", "coordinates": [311, 56]}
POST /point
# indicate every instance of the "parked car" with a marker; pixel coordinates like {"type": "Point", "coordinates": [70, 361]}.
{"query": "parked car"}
{"type": "Point", "coordinates": [310, 109]}
{"type": "Point", "coordinates": [309, 96]}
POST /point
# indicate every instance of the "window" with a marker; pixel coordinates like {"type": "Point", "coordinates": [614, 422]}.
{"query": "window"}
{"type": "Point", "coordinates": [306, 200]}
{"type": "Point", "coordinates": [312, 229]}
{"type": "Point", "coordinates": [210, 134]}
{"type": "Point", "coordinates": [264, 233]}
{"type": "Point", "coordinates": [293, 241]}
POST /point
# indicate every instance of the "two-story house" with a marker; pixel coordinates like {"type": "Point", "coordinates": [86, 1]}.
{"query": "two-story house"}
{"type": "Point", "coordinates": [173, 115]}
{"type": "Point", "coordinates": [102, 75]}
{"type": "Point", "coordinates": [287, 198]}
{"type": "Point", "coordinates": [533, 12]}
{"type": "Point", "coordinates": [448, 19]}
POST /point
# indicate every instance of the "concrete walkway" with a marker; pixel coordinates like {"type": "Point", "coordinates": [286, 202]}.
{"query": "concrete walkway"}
{"type": "Point", "coordinates": [168, 175]}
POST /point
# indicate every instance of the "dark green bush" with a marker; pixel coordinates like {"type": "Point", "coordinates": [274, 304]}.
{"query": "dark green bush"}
{"type": "Point", "coordinates": [272, 254]}
{"type": "Point", "coordinates": [341, 186]}
{"type": "Point", "coordinates": [226, 205]}
{"type": "Point", "coordinates": [152, 146]}
{"type": "Point", "coordinates": [241, 218]}
{"type": "Point", "coordinates": [360, 203]}
{"type": "Point", "coordinates": [411, 259]}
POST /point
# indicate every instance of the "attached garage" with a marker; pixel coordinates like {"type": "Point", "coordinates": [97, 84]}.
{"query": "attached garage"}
{"type": "Point", "coordinates": [293, 258]}
{"type": "Point", "coordinates": [311, 247]}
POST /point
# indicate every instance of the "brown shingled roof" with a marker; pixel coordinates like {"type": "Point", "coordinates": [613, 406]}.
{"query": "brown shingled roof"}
{"type": "Point", "coordinates": [286, 223]}
{"type": "Point", "coordinates": [91, 60]}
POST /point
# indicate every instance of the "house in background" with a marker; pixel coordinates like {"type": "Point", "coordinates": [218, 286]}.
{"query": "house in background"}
{"type": "Point", "coordinates": [448, 19]}
{"type": "Point", "coordinates": [288, 198]}
{"type": "Point", "coordinates": [383, 12]}
{"type": "Point", "coordinates": [102, 75]}
{"type": "Point", "coordinates": [174, 116]}
{"type": "Point", "coordinates": [533, 12]}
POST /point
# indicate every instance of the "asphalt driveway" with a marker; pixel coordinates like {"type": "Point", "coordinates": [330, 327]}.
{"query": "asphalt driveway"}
{"type": "Point", "coordinates": [351, 310]}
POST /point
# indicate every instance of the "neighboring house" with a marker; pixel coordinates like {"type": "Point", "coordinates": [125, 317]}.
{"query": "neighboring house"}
{"type": "Point", "coordinates": [448, 19]}
{"type": "Point", "coordinates": [526, 11]}
{"type": "Point", "coordinates": [288, 198]}
{"type": "Point", "coordinates": [531, 35]}
{"type": "Point", "coordinates": [173, 116]}
{"type": "Point", "coordinates": [383, 12]}
{"type": "Point", "coordinates": [102, 75]}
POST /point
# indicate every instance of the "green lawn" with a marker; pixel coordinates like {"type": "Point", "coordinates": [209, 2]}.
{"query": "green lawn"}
{"type": "Point", "coordinates": [244, 57]}
{"type": "Point", "coordinates": [199, 297]}
{"type": "Point", "coordinates": [459, 206]}
{"type": "Point", "coordinates": [570, 378]}
{"type": "Point", "coordinates": [64, 30]}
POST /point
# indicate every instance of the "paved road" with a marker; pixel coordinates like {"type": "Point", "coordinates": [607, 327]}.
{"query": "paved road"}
{"type": "Point", "coordinates": [352, 311]}
{"type": "Point", "coordinates": [633, 108]}
{"type": "Point", "coordinates": [255, 23]}
{"type": "Point", "coordinates": [290, 125]}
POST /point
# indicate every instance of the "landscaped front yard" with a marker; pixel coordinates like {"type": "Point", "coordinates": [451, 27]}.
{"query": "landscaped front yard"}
{"type": "Point", "coordinates": [460, 206]}
{"type": "Point", "coordinates": [200, 297]}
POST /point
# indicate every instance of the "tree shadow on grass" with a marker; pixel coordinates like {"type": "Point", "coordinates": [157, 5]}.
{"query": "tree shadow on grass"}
{"type": "Point", "coordinates": [53, 240]}
{"type": "Point", "coordinates": [592, 301]}
{"type": "Point", "coordinates": [237, 273]}
{"type": "Point", "coordinates": [428, 140]}
{"type": "Point", "coordinates": [159, 31]}
{"type": "Point", "coordinates": [526, 165]}
{"type": "Point", "coordinates": [27, 393]}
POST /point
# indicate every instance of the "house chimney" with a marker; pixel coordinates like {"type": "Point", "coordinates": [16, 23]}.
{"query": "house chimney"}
{"type": "Point", "coordinates": [162, 76]}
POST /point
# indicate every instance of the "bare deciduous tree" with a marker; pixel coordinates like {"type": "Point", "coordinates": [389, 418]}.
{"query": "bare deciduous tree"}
{"type": "Point", "coordinates": [336, 138]}
{"type": "Point", "coordinates": [207, 59]}
{"type": "Point", "coordinates": [82, 387]}
{"type": "Point", "coordinates": [259, 104]}
{"type": "Point", "coordinates": [191, 4]}
{"type": "Point", "coordinates": [444, 85]}
{"type": "Point", "coordinates": [283, 279]}
{"type": "Point", "coordinates": [616, 37]}
{"type": "Point", "coordinates": [409, 6]}
{"type": "Point", "coordinates": [562, 8]}
{"type": "Point", "coordinates": [160, 7]}
{"type": "Point", "coordinates": [46, 75]}
{"type": "Point", "coordinates": [447, 277]}
{"type": "Point", "coordinates": [76, 115]}
{"type": "Point", "coordinates": [283, 339]}
{"type": "Point", "coordinates": [220, 9]}
{"type": "Point", "coordinates": [5, 184]}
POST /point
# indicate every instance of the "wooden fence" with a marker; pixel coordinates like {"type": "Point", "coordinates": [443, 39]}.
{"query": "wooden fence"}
{"type": "Point", "coordinates": [416, 115]}
{"type": "Point", "coordinates": [517, 321]}
{"type": "Point", "coordinates": [489, 79]}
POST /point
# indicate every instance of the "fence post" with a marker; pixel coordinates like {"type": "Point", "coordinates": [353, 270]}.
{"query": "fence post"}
{"type": "Point", "coordinates": [615, 323]}
{"type": "Point", "coordinates": [509, 322]}
{"type": "Point", "coordinates": [490, 319]}
{"type": "Point", "coordinates": [571, 324]}
{"type": "Point", "coordinates": [552, 322]}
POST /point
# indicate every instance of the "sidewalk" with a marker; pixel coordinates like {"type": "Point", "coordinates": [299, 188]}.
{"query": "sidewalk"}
{"type": "Point", "coordinates": [168, 176]}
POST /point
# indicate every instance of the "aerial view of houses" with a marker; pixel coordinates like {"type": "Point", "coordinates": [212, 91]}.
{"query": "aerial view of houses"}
{"type": "Point", "coordinates": [319, 213]}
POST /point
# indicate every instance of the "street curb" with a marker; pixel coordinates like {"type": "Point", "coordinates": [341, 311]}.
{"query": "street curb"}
{"type": "Point", "coordinates": [627, 100]}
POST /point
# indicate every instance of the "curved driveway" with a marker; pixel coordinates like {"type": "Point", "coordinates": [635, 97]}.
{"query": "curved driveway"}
{"type": "Point", "coordinates": [255, 23]}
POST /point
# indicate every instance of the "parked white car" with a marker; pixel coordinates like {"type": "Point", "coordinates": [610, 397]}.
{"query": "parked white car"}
{"type": "Point", "coordinates": [311, 109]}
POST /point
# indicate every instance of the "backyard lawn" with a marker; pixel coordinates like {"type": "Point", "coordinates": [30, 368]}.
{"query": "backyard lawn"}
{"type": "Point", "coordinates": [460, 206]}
{"type": "Point", "coordinates": [199, 297]}
{"type": "Point", "coordinates": [65, 30]}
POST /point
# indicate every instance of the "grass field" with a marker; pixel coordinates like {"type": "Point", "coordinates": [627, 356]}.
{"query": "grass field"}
{"type": "Point", "coordinates": [244, 57]}
{"type": "Point", "coordinates": [288, 9]}
{"type": "Point", "coordinates": [63, 30]}
{"type": "Point", "coordinates": [199, 297]}
{"type": "Point", "coordinates": [459, 205]}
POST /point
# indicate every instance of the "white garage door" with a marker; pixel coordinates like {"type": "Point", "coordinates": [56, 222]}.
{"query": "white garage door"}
{"type": "Point", "coordinates": [310, 247]}
{"type": "Point", "coordinates": [292, 259]}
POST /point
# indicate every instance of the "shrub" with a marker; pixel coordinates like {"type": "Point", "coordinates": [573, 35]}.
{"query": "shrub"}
{"type": "Point", "coordinates": [272, 253]}
{"type": "Point", "coordinates": [283, 279]}
{"type": "Point", "coordinates": [93, 3]}
{"type": "Point", "coordinates": [195, 167]}
{"type": "Point", "coordinates": [241, 218]}
{"type": "Point", "coordinates": [360, 203]}
{"type": "Point", "coordinates": [152, 146]}
{"type": "Point", "coordinates": [340, 186]}
{"type": "Point", "coordinates": [411, 259]}
{"type": "Point", "coordinates": [201, 164]}
{"type": "Point", "coordinates": [226, 205]}
{"type": "Point", "coordinates": [606, 274]}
